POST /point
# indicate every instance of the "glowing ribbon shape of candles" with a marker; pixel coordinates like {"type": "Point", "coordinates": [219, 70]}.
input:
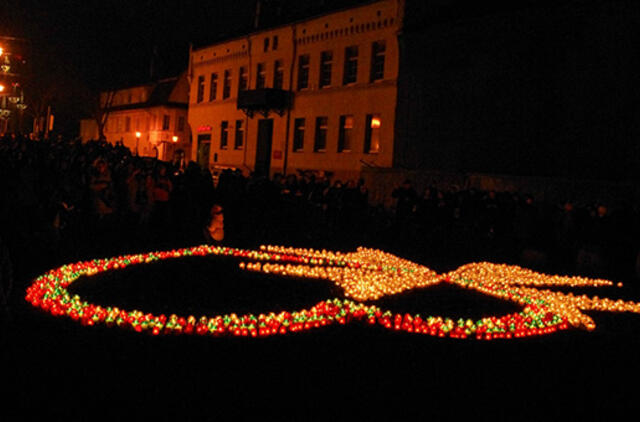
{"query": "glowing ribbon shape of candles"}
{"type": "Point", "coordinates": [364, 275]}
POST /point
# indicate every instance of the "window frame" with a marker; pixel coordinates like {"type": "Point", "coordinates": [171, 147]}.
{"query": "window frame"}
{"type": "Point", "coordinates": [303, 71]}
{"type": "Point", "coordinates": [213, 86]}
{"type": "Point", "coordinates": [224, 134]}
{"type": "Point", "coordinates": [350, 73]}
{"type": "Point", "coordinates": [226, 84]}
{"type": "Point", "coordinates": [322, 127]}
{"type": "Point", "coordinates": [200, 89]}
{"type": "Point", "coordinates": [346, 133]}
{"type": "Point", "coordinates": [378, 56]}
{"type": "Point", "coordinates": [326, 69]}
{"type": "Point", "coordinates": [261, 75]}
{"type": "Point", "coordinates": [239, 134]}
{"type": "Point", "coordinates": [299, 128]}
{"type": "Point", "coordinates": [368, 135]}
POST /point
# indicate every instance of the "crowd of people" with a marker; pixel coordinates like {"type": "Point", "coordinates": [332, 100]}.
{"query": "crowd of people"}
{"type": "Point", "coordinates": [64, 200]}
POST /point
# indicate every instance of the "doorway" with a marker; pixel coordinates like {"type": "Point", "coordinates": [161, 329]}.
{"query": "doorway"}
{"type": "Point", "coordinates": [204, 147]}
{"type": "Point", "coordinates": [263, 147]}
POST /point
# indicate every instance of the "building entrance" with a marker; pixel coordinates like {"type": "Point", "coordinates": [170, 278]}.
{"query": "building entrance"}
{"type": "Point", "coordinates": [204, 147]}
{"type": "Point", "coordinates": [263, 147]}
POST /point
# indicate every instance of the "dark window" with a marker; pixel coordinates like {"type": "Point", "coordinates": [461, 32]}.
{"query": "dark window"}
{"type": "Point", "coordinates": [303, 71]}
{"type": "Point", "coordinates": [127, 124]}
{"type": "Point", "coordinates": [278, 74]}
{"type": "Point", "coordinates": [226, 88]}
{"type": "Point", "coordinates": [326, 63]}
{"type": "Point", "coordinates": [350, 65]}
{"type": "Point", "coordinates": [266, 44]}
{"type": "Point", "coordinates": [320, 142]}
{"type": "Point", "coordinates": [224, 134]}
{"type": "Point", "coordinates": [261, 75]}
{"type": "Point", "coordinates": [372, 134]}
{"type": "Point", "coordinates": [180, 123]}
{"type": "Point", "coordinates": [345, 140]}
{"type": "Point", "coordinates": [275, 42]}
{"type": "Point", "coordinates": [239, 141]}
{"type": "Point", "coordinates": [298, 135]}
{"type": "Point", "coordinates": [378, 49]}
{"type": "Point", "coordinates": [200, 94]}
{"type": "Point", "coordinates": [213, 87]}
{"type": "Point", "coordinates": [166, 121]}
{"type": "Point", "coordinates": [243, 79]}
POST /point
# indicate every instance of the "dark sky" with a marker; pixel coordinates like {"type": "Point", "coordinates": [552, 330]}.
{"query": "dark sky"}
{"type": "Point", "coordinates": [111, 42]}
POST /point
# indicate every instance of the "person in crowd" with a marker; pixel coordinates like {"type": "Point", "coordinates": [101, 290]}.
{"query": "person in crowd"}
{"type": "Point", "coordinates": [214, 229]}
{"type": "Point", "coordinates": [406, 199]}
{"type": "Point", "coordinates": [161, 192]}
{"type": "Point", "coordinates": [103, 195]}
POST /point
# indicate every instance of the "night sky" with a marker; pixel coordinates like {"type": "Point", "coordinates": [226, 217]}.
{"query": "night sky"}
{"type": "Point", "coordinates": [80, 47]}
{"type": "Point", "coordinates": [112, 42]}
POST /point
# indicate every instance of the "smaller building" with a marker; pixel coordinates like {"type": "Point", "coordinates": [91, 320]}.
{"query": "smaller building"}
{"type": "Point", "coordinates": [150, 119]}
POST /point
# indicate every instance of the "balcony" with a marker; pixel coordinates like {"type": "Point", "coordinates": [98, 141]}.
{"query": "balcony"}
{"type": "Point", "coordinates": [263, 101]}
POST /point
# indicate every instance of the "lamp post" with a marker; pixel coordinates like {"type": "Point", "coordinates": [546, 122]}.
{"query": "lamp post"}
{"type": "Point", "coordinates": [138, 135]}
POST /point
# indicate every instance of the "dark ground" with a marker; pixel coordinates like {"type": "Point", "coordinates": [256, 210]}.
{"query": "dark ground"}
{"type": "Point", "coordinates": [62, 369]}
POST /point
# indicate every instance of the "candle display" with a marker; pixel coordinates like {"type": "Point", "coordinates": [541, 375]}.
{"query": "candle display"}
{"type": "Point", "coordinates": [364, 275]}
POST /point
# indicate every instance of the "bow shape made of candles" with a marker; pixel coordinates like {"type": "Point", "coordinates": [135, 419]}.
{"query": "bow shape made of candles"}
{"type": "Point", "coordinates": [364, 275]}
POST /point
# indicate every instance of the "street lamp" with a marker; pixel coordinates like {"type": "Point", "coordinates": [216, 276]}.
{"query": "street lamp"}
{"type": "Point", "coordinates": [175, 139]}
{"type": "Point", "coordinates": [138, 135]}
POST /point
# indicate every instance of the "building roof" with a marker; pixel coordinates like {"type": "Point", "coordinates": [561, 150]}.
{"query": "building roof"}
{"type": "Point", "coordinates": [160, 96]}
{"type": "Point", "coordinates": [279, 13]}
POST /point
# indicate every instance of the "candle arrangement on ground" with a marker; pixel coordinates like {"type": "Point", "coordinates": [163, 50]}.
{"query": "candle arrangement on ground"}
{"type": "Point", "coordinates": [364, 276]}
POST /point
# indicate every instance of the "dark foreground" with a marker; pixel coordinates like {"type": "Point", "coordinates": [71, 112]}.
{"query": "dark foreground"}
{"type": "Point", "coordinates": [64, 370]}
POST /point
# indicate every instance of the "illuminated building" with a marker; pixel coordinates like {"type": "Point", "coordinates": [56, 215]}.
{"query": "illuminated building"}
{"type": "Point", "coordinates": [157, 112]}
{"type": "Point", "coordinates": [317, 94]}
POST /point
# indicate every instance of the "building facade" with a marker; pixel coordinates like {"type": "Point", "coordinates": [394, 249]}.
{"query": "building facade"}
{"type": "Point", "coordinates": [150, 119]}
{"type": "Point", "coordinates": [318, 94]}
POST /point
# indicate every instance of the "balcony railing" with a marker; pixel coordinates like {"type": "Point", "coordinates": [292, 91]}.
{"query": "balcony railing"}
{"type": "Point", "coordinates": [264, 101]}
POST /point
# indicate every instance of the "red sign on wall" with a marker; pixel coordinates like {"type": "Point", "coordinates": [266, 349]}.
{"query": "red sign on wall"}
{"type": "Point", "coordinates": [277, 155]}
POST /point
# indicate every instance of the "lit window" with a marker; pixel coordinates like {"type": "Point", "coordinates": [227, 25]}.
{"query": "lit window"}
{"type": "Point", "coordinates": [213, 88]}
{"type": "Point", "coordinates": [372, 134]}
{"type": "Point", "coordinates": [346, 133]}
{"type": "Point", "coordinates": [200, 94]}
{"type": "Point", "coordinates": [298, 134]}
{"type": "Point", "coordinates": [320, 142]}
{"type": "Point", "coordinates": [224, 134]}
{"type": "Point", "coordinates": [378, 49]}
{"type": "Point", "coordinates": [239, 141]}
{"type": "Point", "coordinates": [326, 62]}
{"type": "Point", "coordinates": [303, 71]}
{"type": "Point", "coordinates": [350, 65]}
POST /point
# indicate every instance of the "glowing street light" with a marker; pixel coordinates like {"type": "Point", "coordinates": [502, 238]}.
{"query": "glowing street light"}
{"type": "Point", "coordinates": [1, 88]}
{"type": "Point", "coordinates": [175, 139]}
{"type": "Point", "coordinates": [138, 135]}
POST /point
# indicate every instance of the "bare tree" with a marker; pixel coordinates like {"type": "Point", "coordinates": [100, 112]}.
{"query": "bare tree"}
{"type": "Point", "coordinates": [101, 111]}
